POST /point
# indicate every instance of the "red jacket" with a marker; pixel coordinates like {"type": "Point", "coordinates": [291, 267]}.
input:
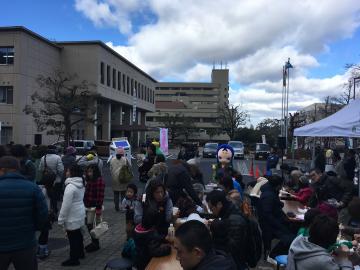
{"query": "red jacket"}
{"type": "Point", "coordinates": [303, 195]}
{"type": "Point", "coordinates": [94, 193]}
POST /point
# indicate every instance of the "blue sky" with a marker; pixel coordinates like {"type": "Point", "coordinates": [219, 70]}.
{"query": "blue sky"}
{"type": "Point", "coordinates": [179, 40]}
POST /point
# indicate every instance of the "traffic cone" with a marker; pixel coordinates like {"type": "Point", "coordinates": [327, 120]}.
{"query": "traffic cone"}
{"type": "Point", "coordinates": [251, 171]}
{"type": "Point", "coordinates": [257, 173]}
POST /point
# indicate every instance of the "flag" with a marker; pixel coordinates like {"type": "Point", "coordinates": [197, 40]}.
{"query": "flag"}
{"type": "Point", "coordinates": [288, 65]}
{"type": "Point", "coordinates": [284, 76]}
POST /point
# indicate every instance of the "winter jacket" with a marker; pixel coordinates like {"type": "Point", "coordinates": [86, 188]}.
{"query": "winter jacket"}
{"type": "Point", "coordinates": [304, 255]}
{"type": "Point", "coordinates": [146, 167]}
{"type": "Point", "coordinates": [179, 179]}
{"type": "Point", "coordinates": [256, 190]}
{"type": "Point", "coordinates": [165, 209]}
{"type": "Point", "coordinates": [23, 210]}
{"type": "Point", "coordinates": [303, 195]}
{"type": "Point", "coordinates": [115, 167]}
{"type": "Point", "coordinates": [54, 163]}
{"type": "Point", "coordinates": [157, 169]}
{"type": "Point", "coordinates": [129, 205]}
{"type": "Point", "coordinates": [216, 260]}
{"type": "Point", "coordinates": [331, 187]}
{"type": "Point", "coordinates": [236, 226]}
{"type": "Point", "coordinates": [349, 167]}
{"type": "Point", "coordinates": [94, 193]}
{"type": "Point", "coordinates": [272, 219]}
{"type": "Point", "coordinates": [320, 161]}
{"type": "Point", "coordinates": [28, 169]}
{"type": "Point", "coordinates": [148, 244]}
{"type": "Point", "coordinates": [72, 213]}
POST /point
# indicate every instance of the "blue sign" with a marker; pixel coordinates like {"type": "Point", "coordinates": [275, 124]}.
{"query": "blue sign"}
{"type": "Point", "coordinates": [123, 144]}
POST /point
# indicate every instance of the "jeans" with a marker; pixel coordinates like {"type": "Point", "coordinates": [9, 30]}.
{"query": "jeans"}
{"type": "Point", "coordinates": [44, 237]}
{"type": "Point", "coordinates": [76, 244]}
{"type": "Point", "coordinates": [24, 259]}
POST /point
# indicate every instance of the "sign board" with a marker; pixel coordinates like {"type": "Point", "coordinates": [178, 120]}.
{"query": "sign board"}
{"type": "Point", "coordinates": [295, 143]}
{"type": "Point", "coordinates": [263, 137]}
{"type": "Point", "coordinates": [164, 142]}
{"type": "Point", "coordinates": [120, 143]}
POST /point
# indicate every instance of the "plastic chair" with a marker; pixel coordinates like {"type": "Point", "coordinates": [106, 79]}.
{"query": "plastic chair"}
{"type": "Point", "coordinates": [281, 261]}
{"type": "Point", "coordinates": [119, 264]}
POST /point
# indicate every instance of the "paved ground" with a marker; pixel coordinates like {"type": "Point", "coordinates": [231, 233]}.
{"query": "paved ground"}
{"type": "Point", "coordinates": [113, 240]}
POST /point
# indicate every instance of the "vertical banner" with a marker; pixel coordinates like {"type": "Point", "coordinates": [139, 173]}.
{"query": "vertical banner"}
{"type": "Point", "coordinates": [164, 144]}
{"type": "Point", "coordinates": [263, 138]}
{"type": "Point", "coordinates": [295, 143]}
{"type": "Point", "coordinates": [134, 105]}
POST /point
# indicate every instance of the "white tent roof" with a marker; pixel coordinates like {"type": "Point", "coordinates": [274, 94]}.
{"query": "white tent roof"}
{"type": "Point", "coordinates": [344, 123]}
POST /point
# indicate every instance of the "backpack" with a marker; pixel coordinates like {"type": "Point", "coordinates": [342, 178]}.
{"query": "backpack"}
{"type": "Point", "coordinates": [48, 176]}
{"type": "Point", "coordinates": [253, 241]}
{"type": "Point", "coordinates": [125, 174]}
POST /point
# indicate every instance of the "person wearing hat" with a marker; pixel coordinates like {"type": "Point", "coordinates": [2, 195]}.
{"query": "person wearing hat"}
{"type": "Point", "coordinates": [91, 158]}
{"type": "Point", "coordinates": [116, 163]}
{"type": "Point", "coordinates": [23, 211]}
{"type": "Point", "coordinates": [53, 161]}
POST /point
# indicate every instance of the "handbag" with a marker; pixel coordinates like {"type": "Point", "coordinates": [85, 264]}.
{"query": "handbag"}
{"type": "Point", "coordinates": [99, 229]}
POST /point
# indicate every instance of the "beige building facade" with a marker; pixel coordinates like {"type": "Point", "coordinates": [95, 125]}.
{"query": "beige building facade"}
{"type": "Point", "coordinates": [126, 92]}
{"type": "Point", "coordinates": [200, 102]}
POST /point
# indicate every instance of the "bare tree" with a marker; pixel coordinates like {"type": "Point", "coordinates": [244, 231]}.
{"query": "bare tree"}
{"type": "Point", "coordinates": [62, 104]}
{"type": "Point", "coordinates": [232, 118]}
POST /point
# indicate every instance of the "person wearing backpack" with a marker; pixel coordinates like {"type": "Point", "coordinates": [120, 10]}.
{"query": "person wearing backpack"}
{"type": "Point", "coordinates": [27, 167]}
{"type": "Point", "coordinates": [238, 235]}
{"type": "Point", "coordinates": [120, 169]}
{"type": "Point", "coordinates": [52, 169]}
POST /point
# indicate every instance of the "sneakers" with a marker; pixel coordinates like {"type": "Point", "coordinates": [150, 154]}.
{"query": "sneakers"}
{"type": "Point", "coordinates": [70, 262]}
{"type": "Point", "coordinates": [92, 247]}
{"type": "Point", "coordinates": [271, 260]}
{"type": "Point", "coordinates": [43, 252]}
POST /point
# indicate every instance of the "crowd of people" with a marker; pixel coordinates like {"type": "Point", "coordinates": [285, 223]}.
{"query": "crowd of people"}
{"type": "Point", "coordinates": [227, 225]}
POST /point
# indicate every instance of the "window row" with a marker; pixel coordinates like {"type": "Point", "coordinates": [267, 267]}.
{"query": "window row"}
{"type": "Point", "coordinates": [6, 55]}
{"type": "Point", "coordinates": [122, 82]}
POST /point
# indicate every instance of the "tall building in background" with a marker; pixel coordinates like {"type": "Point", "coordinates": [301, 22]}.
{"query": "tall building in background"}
{"type": "Point", "coordinates": [199, 102]}
{"type": "Point", "coordinates": [24, 55]}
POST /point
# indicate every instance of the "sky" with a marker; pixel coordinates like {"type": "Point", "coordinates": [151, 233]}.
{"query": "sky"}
{"type": "Point", "coordinates": [180, 40]}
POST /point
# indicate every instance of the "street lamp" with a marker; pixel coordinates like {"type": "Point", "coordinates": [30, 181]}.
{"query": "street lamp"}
{"type": "Point", "coordinates": [285, 99]}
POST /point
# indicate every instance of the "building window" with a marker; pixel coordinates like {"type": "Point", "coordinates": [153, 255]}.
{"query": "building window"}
{"type": "Point", "coordinates": [114, 78]}
{"type": "Point", "coordinates": [119, 80]}
{"type": "Point", "coordinates": [132, 87]}
{"type": "Point", "coordinates": [6, 94]}
{"type": "Point", "coordinates": [6, 135]}
{"type": "Point", "coordinates": [102, 71]}
{"type": "Point", "coordinates": [6, 55]}
{"type": "Point", "coordinates": [108, 75]}
{"type": "Point", "coordinates": [153, 97]}
{"type": "Point", "coordinates": [127, 85]}
{"type": "Point", "coordinates": [149, 119]}
{"type": "Point", "coordinates": [124, 82]}
{"type": "Point", "coordinates": [142, 92]}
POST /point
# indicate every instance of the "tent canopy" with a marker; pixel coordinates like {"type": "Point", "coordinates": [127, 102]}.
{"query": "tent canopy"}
{"type": "Point", "coordinates": [344, 123]}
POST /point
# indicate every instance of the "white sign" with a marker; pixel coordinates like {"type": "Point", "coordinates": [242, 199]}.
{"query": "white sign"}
{"type": "Point", "coordinates": [263, 137]}
{"type": "Point", "coordinates": [295, 142]}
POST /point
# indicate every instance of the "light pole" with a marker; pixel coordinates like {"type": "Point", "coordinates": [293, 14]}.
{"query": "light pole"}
{"type": "Point", "coordinates": [285, 100]}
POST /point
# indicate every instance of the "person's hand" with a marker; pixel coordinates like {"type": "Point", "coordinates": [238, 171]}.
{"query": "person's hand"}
{"type": "Point", "coordinates": [342, 252]}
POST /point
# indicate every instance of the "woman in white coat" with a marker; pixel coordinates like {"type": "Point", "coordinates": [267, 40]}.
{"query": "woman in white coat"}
{"type": "Point", "coordinates": [72, 213]}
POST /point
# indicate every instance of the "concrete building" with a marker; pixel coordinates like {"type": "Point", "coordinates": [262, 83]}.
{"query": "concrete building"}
{"type": "Point", "coordinates": [317, 111]}
{"type": "Point", "coordinates": [126, 92]}
{"type": "Point", "coordinates": [201, 102]}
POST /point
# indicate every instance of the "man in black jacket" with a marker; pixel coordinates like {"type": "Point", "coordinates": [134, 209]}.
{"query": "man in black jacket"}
{"type": "Point", "coordinates": [235, 226]}
{"type": "Point", "coordinates": [179, 179]}
{"type": "Point", "coordinates": [195, 250]}
{"type": "Point", "coordinates": [272, 219]}
{"type": "Point", "coordinates": [330, 187]}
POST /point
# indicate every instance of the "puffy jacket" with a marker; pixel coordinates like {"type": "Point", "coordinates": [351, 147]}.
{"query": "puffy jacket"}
{"type": "Point", "coordinates": [53, 162]}
{"type": "Point", "coordinates": [215, 260]}
{"type": "Point", "coordinates": [115, 167]}
{"type": "Point", "coordinates": [236, 227]}
{"type": "Point", "coordinates": [304, 255]}
{"type": "Point", "coordinates": [83, 162]}
{"type": "Point", "coordinates": [148, 244]}
{"type": "Point", "coordinates": [72, 213]}
{"type": "Point", "coordinates": [23, 210]}
{"type": "Point", "coordinates": [177, 180]}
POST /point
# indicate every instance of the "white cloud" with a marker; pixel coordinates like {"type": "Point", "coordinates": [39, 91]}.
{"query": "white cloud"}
{"type": "Point", "coordinates": [255, 37]}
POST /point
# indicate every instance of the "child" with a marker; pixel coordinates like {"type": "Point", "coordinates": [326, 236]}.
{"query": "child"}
{"type": "Point", "coordinates": [128, 205]}
{"type": "Point", "coordinates": [149, 243]}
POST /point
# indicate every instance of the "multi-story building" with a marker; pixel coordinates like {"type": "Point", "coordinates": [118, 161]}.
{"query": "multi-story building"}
{"type": "Point", "coordinates": [125, 92]}
{"type": "Point", "coordinates": [199, 102]}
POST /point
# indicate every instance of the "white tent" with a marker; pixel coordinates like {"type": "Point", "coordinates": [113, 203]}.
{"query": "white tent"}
{"type": "Point", "coordinates": [344, 123]}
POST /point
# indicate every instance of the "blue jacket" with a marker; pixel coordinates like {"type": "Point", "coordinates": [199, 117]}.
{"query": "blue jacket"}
{"type": "Point", "coordinates": [23, 210]}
